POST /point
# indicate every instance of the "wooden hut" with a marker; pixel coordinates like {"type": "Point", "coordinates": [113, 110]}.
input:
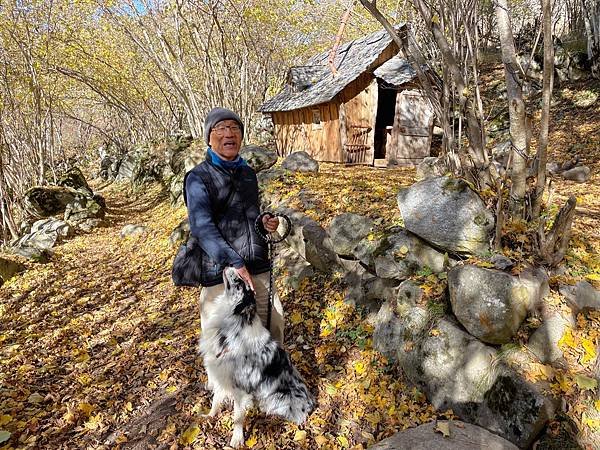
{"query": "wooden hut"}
{"type": "Point", "coordinates": [371, 112]}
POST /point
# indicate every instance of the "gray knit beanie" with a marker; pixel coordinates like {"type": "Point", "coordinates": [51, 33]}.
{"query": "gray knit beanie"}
{"type": "Point", "coordinates": [215, 116]}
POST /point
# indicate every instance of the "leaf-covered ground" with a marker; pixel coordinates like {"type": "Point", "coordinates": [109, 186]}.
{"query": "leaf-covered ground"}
{"type": "Point", "coordinates": [98, 349]}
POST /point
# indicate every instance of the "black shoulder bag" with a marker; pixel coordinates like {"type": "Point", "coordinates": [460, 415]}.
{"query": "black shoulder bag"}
{"type": "Point", "coordinates": [187, 265]}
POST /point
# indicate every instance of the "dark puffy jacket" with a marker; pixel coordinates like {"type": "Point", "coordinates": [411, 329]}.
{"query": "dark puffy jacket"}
{"type": "Point", "coordinates": [226, 234]}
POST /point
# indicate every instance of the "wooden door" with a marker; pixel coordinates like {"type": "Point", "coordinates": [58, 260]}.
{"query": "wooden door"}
{"type": "Point", "coordinates": [412, 131]}
{"type": "Point", "coordinates": [357, 126]}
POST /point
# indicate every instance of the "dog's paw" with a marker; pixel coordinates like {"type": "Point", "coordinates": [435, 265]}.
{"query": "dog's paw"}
{"type": "Point", "coordinates": [237, 440]}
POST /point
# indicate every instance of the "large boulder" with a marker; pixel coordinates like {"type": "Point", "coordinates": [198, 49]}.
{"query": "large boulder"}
{"type": "Point", "coordinates": [457, 371]}
{"type": "Point", "coordinates": [531, 66]}
{"type": "Point", "coordinates": [300, 162]}
{"type": "Point", "coordinates": [310, 241]}
{"type": "Point", "coordinates": [490, 304]}
{"type": "Point", "coordinates": [143, 164]}
{"type": "Point", "coordinates": [399, 255]}
{"type": "Point", "coordinates": [83, 208]}
{"type": "Point", "coordinates": [175, 149]}
{"type": "Point", "coordinates": [46, 201]}
{"type": "Point", "coordinates": [581, 297]}
{"type": "Point", "coordinates": [398, 326]}
{"type": "Point", "coordinates": [182, 154]}
{"type": "Point", "coordinates": [149, 168]}
{"type": "Point", "coordinates": [347, 230]}
{"type": "Point", "coordinates": [259, 158]}
{"type": "Point", "coordinates": [368, 290]}
{"type": "Point", "coordinates": [107, 167]}
{"type": "Point", "coordinates": [446, 212]}
{"type": "Point", "coordinates": [127, 167]}
{"type": "Point", "coordinates": [9, 269]}
{"type": "Point", "coordinates": [33, 254]}
{"type": "Point", "coordinates": [45, 234]}
{"type": "Point", "coordinates": [176, 189]}
{"type": "Point", "coordinates": [265, 178]}
{"type": "Point", "coordinates": [579, 174]}
{"type": "Point", "coordinates": [429, 436]}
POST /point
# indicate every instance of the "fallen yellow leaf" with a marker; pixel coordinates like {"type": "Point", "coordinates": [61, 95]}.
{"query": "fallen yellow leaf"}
{"type": "Point", "coordinates": [592, 423]}
{"type": "Point", "coordinates": [300, 435]}
{"type": "Point", "coordinates": [590, 351]}
{"type": "Point", "coordinates": [359, 367]}
{"type": "Point", "coordinates": [190, 434]}
{"type": "Point", "coordinates": [330, 389]}
{"type": "Point", "coordinates": [35, 398]}
{"type": "Point", "coordinates": [586, 383]}
{"type": "Point", "coordinates": [251, 441]}
{"type": "Point", "coordinates": [321, 440]}
{"type": "Point", "coordinates": [568, 339]}
{"type": "Point", "coordinates": [94, 422]}
{"type": "Point", "coordinates": [443, 427]}
{"type": "Point", "coordinates": [296, 318]}
{"type": "Point", "coordinates": [343, 440]}
{"type": "Point", "coordinates": [85, 408]}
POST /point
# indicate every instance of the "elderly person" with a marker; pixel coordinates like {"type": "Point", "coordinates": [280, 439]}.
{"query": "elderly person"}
{"type": "Point", "coordinates": [223, 204]}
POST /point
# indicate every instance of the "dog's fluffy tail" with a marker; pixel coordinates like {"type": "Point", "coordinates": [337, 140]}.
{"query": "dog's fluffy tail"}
{"type": "Point", "coordinates": [283, 391]}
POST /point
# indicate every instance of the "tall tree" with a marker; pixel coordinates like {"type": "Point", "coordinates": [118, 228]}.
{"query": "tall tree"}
{"type": "Point", "coordinates": [516, 109]}
{"type": "Point", "coordinates": [591, 16]}
{"type": "Point", "coordinates": [546, 102]}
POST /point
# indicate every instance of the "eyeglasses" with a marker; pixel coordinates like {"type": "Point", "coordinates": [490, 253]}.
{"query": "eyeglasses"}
{"type": "Point", "coordinates": [220, 131]}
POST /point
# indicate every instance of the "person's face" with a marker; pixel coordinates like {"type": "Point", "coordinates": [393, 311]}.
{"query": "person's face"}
{"type": "Point", "coordinates": [226, 139]}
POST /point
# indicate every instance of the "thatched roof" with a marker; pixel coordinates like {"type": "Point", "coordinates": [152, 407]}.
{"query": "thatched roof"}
{"type": "Point", "coordinates": [314, 83]}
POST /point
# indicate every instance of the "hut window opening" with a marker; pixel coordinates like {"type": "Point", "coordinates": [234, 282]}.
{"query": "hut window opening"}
{"type": "Point", "coordinates": [316, 119]}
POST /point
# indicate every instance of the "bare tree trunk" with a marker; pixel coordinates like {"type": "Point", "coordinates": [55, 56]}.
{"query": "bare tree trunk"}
{"type": "Point", "coordinates": [591, 17]}
{"type": "Point", "coordinates": [516, 109]}
{"type": "Point", "coordinates": [5, 201]}
{"type": "Point", "coordinates": [542, 157]}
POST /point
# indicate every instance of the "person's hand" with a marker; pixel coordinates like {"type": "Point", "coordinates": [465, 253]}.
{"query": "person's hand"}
{"type": "Point", "coordinates": [270, 223]}
{"type": "Point", "coordinates": [245, 275]}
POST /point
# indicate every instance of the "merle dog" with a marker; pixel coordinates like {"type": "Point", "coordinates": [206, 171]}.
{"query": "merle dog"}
{"type": "Point", "coordinates": [244, 363]}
